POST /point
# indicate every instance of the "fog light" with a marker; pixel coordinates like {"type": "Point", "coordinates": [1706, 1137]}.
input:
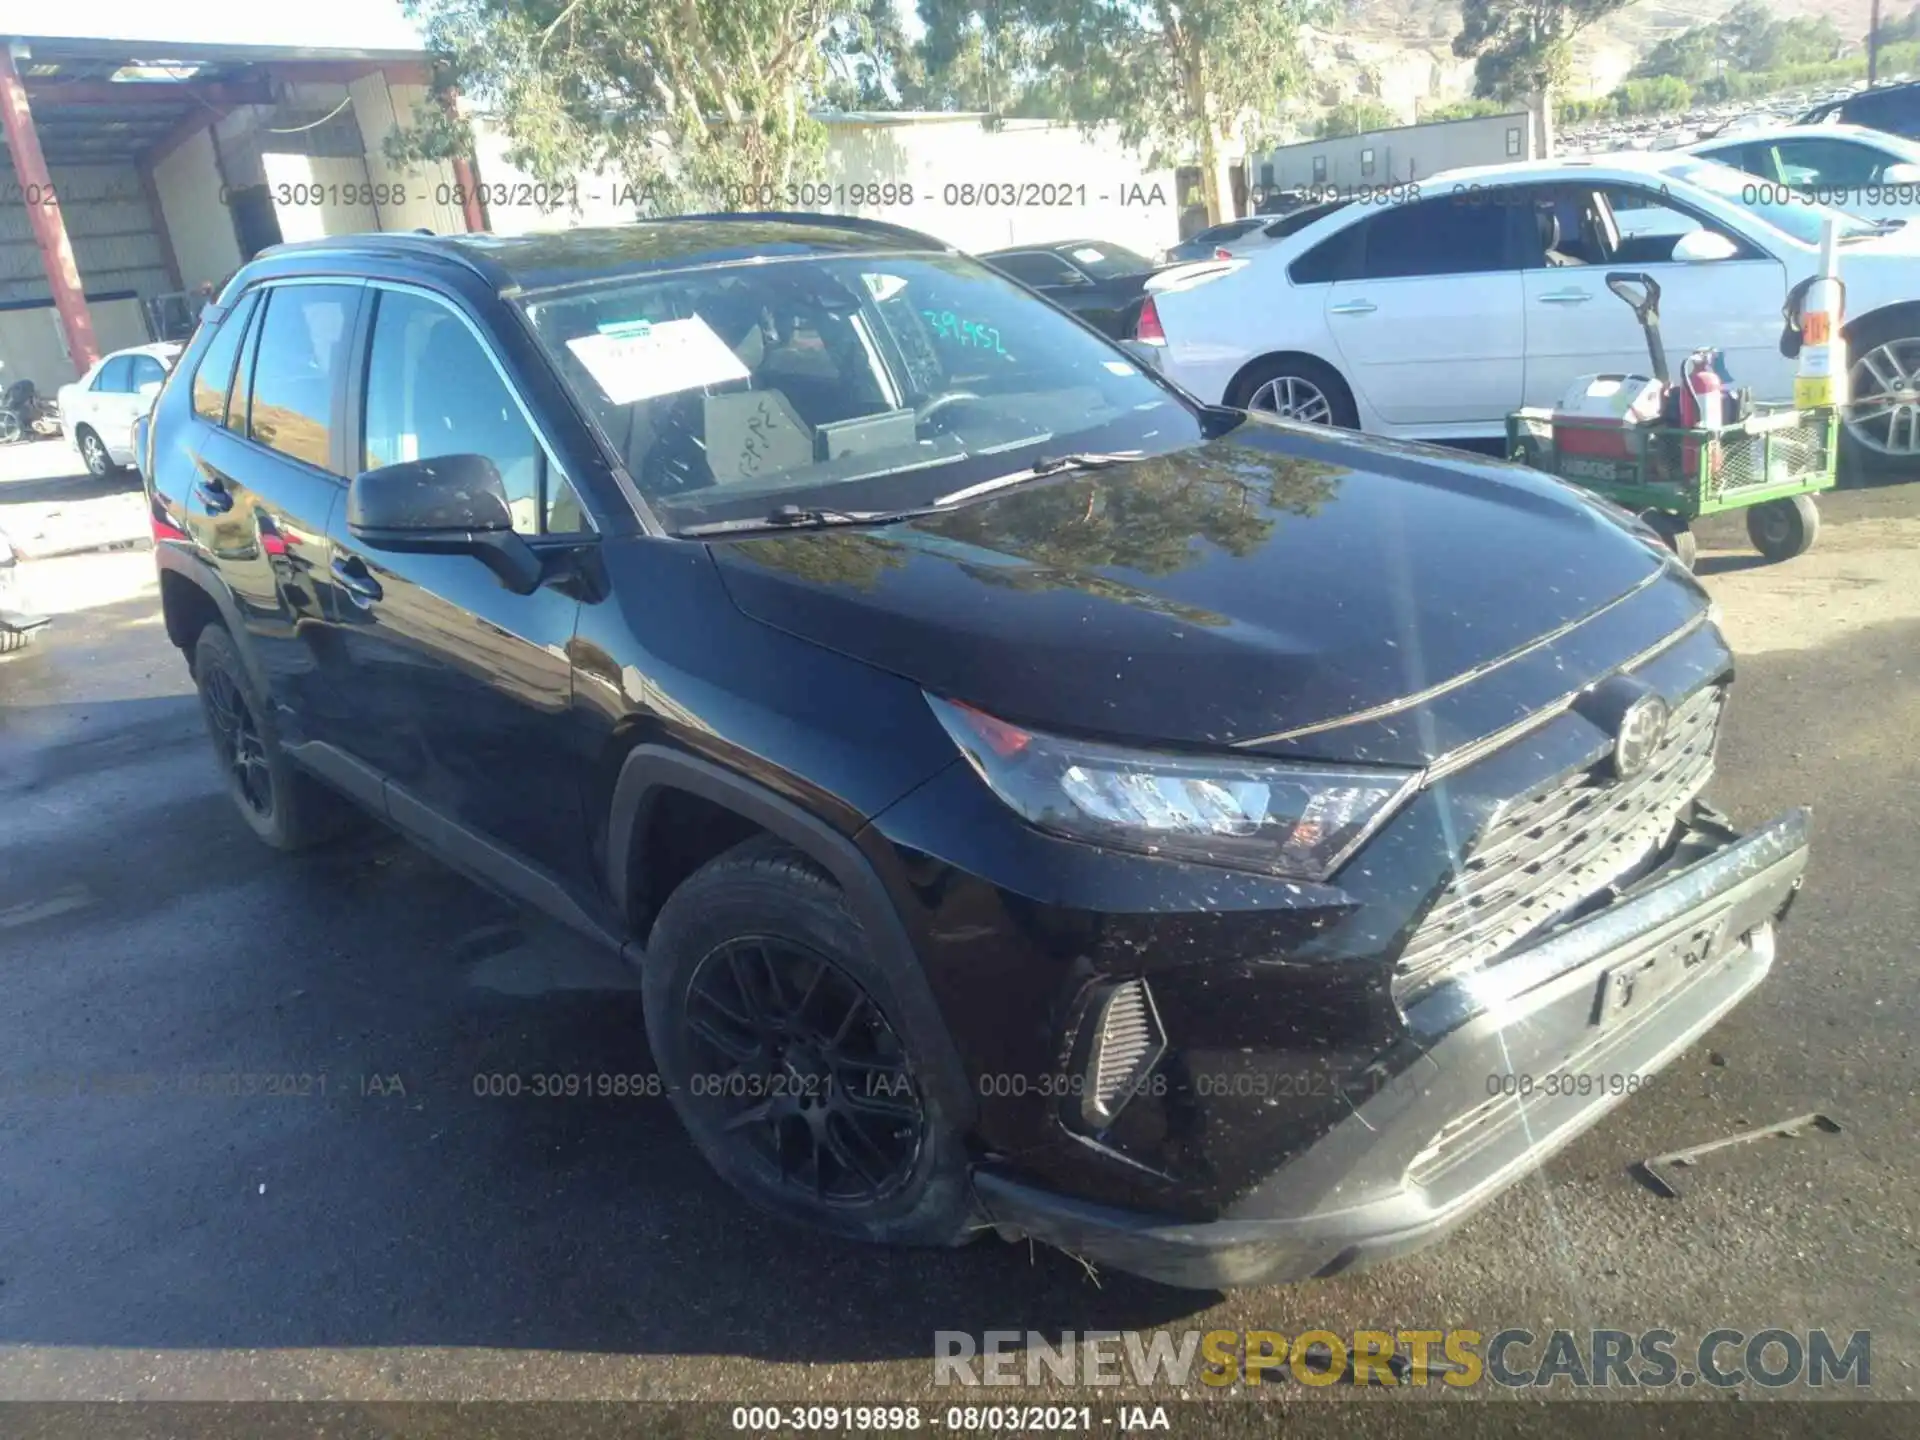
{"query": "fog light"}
{"type": "Point", "coordinates": [1127, 1042]}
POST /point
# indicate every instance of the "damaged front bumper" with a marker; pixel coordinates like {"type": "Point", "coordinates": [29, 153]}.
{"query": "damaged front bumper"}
{"type": "Point", "coordinates": [1518, 1058]}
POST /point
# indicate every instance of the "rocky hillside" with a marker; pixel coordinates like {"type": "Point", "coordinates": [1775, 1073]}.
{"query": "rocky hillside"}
{"type": "Point", "coordinates": [1400, 51]}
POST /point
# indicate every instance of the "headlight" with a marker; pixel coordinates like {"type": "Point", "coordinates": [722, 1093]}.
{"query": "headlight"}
{"type": "Point", "coordinates": [1300, 821]}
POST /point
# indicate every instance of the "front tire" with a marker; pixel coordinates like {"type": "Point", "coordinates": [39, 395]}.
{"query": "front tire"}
{"type": "Point", "coordinates": [779, 1035]}
{"type": "Point", "coordinates": [1782, 529]}
{"type": "Point", "coordinates": [1297, 387]}
{"type": "Point", "coordinates": [1677, 533]}
{"type": "Point", "coordinates": [93, 453]}
{"type": "Point", "coordinates": [282, 804]}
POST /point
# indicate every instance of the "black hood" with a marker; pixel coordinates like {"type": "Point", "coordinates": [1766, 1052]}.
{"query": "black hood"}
{"type": "Point", "coordinates": [1274, 580]}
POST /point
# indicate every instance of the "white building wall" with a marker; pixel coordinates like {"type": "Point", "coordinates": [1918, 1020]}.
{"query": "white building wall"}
{"type": "Point", "coordinates": [317, 195]}
{"type": "Point", "coordinates": [188, 183]}
{"type": "Point", "coordinates": [430, 198]}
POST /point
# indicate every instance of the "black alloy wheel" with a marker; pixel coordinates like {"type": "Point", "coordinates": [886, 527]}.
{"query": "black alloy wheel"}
{"type": "Point", "coordinates": [236, 738]}
{"type": "Point", "coordinates": [802, 1069]}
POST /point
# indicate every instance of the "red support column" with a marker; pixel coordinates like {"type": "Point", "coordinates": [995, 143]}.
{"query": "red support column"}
{"type": "Point", "coordinates": [43, 213]}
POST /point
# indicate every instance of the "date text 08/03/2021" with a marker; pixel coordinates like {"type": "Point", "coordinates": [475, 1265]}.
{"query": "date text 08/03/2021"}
{"type": "Point", "coordinates": [990, 1419]}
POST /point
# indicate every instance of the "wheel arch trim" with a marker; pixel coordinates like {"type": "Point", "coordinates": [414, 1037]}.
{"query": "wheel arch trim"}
{"type": "Point", "coordinates": [193, 571]}
{"type": "Point", "coordinates": [1253, 363]}
{"type": "Point", "coordinates": [650, 769]}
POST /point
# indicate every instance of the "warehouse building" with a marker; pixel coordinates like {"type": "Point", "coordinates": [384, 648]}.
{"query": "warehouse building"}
{"type": "Point", "coordinates": [136, 171]}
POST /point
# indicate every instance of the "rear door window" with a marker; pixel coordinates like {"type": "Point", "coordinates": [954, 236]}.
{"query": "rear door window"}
{"type": "Point", "coordinates": [303, 341]}
{"type": "Point", "coordinates": [1453, 235]}
{"type": "Point", "coordinates": [147, 371]}
{"type": "Point", "coordinates": [214, 375]}
{"type": "Point", "coordinates": [115, 377]}
{"type": "Point", "coordinates": [1335, 258]}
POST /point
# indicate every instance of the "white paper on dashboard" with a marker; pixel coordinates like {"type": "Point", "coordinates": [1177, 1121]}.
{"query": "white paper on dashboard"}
{"type": "Point", "coordinates": [660, 359]}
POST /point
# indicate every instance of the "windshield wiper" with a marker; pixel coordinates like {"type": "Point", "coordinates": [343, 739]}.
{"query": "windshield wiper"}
{"type": "Point", "coordinates": [1044, 466]}
{"type": "Point", "coordinates": [795, 517]}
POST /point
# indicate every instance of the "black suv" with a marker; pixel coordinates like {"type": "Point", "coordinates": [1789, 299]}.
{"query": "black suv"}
{"type": "Point", "coordinates": [1893, 108]}
{"type": "Point", "coordinates": [1034, 800]}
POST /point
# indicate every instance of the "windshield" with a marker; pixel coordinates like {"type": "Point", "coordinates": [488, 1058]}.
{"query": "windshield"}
{"type": "Point", "coordinates": [1104, 261]}
{"type": "Point", "coordinates": [862, 383]}
{"type": "Point", "coordinates": [1777, 205]}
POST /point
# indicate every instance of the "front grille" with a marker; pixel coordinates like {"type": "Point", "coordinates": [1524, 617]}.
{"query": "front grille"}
{"type": "Point", "coordinates": [1541, 856]}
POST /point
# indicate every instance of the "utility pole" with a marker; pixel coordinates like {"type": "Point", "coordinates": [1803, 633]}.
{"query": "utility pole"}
{"type": "Point", "coordinates": [1873, 45]}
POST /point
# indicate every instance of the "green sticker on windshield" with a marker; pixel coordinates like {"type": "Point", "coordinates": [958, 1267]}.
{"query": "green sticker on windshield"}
{"type": "Point", "coordinates": [970, 333]}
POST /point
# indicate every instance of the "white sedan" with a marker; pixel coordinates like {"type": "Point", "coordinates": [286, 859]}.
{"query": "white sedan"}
{"type": "Point", "coordinates": [1866, 172]}
{"type": "Point", "coordinates": [98, 410]}
{"type": "Point", "coordinates": [1433, 318]}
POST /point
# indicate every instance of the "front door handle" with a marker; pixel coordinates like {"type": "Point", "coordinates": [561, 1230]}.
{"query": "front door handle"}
{"type": "Point", "coordinates": [1353, 307]}
{"type": "Point", "coordinates": [214, 495]}
{"type": "Point", "coordinates": [351, 575]}
{"type": "Point", "coordinates": [1566, 297]}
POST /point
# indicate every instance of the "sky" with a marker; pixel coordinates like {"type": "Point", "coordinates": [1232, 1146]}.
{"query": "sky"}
{"type": "Point", "coordinates": [368, 24]}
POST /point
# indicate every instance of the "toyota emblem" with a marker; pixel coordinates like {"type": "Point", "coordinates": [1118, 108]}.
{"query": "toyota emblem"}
{"type": "Point", "coordinates": [1642, 728]}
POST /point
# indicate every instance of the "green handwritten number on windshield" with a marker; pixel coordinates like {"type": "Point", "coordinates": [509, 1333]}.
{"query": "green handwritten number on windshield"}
{"type": "Point", "coordinates": [969, 333]}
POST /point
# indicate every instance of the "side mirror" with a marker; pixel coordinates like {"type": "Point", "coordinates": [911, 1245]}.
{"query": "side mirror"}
{"type": "Point", "coordinates": [450, 505]}
{"type": "Point", "coordinates": [1699, 247]}
{"type": "Point", "coordinates": [1901, 172]}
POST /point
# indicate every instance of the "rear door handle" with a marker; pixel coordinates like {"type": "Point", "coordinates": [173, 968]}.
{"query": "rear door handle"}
{"type": "Point", "coordinates": [1566, 297]}
{"type": "Point", "coordinates": [350, 574]}
{"type": "Point", "coordinates": [1353, 307]}
{"type": "Point", "coordinates": [214, 495]}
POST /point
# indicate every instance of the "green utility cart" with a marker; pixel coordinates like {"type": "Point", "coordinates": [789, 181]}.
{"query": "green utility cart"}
{"type": "Point", "coordinates": [1769, 463]}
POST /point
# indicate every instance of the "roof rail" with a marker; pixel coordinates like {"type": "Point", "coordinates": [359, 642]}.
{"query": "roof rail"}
{"type": "Point", "coordinates": [813, 217]}
{"type": "Point", "coordinates": [407, 242]}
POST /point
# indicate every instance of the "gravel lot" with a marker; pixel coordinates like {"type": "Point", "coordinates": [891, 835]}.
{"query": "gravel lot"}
{"type": "Point", "coordinates": [397, 1237]}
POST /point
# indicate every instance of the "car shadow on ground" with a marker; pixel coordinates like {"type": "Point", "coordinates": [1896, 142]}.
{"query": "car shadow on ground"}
{"type": "Point", "coordinates": [401, 1183]}
{"type": "Point", "coordinates": [54, 489]}
{"type": "Point", "coordinates": [1728, 564]}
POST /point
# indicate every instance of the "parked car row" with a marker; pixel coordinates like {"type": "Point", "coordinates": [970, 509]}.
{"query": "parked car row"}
{"type": "Point", "coordinates": [1034, 800]}
{"type": "Point", "coordinates": [1434, 318]}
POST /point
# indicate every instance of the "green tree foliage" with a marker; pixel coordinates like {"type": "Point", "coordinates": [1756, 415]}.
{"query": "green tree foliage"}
{"type": "Point", "coordinates": [1522, 48]}
{"type": "Point", "coordinates": [1893, 30]}
{"type": "Point", "coordinates": [1472, 108]}
{"type": "Point", "coordinates": [685, 97]}
{"type": "Point", "coordinates": [1747, 40]}
{"type": "Point", "coordinates": [871, 64]}
{"type": "Point", "coordinates": [1178, 77]}
{"type": "Point", "coordinates": [1355, 117]}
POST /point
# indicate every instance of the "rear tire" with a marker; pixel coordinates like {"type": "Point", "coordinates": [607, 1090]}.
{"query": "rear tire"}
{"type": "Point", "coordinates": [1782, 529]}
{"type": "Point", "coordinates": [1883, 441]}
{"type": "Point", "coordinates": [93, 453]}
{"type": "Point", "coordinates": [281, 803]}
{"type": "Point", "coordinates": [780, 1037]}
{"type": "Point", "coordinates": [1296, 387]}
